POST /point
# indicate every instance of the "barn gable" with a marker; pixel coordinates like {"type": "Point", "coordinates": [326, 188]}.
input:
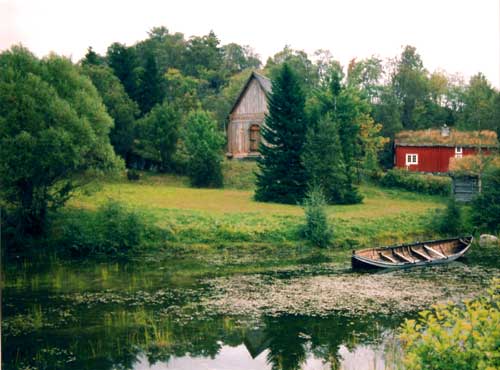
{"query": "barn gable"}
{"type": "Point", "coordinates": [247, 116]}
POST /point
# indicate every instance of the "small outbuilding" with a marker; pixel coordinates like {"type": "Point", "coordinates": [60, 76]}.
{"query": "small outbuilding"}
{"type": "Point", "coordinates": [247, 117]}
{"type": "Point", "coordinates": [431, 150]}
{"type": "Point", "coordinates": [466, 175]}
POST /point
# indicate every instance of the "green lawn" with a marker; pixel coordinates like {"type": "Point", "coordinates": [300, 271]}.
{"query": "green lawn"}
{"type": "Point", "coordinates": [231, 217]}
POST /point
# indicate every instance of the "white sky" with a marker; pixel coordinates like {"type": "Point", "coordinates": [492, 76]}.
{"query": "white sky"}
{"type": "Point", "coordinates": [459, 36]}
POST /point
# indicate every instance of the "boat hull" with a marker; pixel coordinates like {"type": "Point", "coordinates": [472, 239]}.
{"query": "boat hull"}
{"type": "Point", "coordinates": [362, 262]}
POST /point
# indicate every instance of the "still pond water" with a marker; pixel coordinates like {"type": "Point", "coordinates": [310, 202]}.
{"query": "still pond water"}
{"type": "Point", "coordinates": [165, 315]}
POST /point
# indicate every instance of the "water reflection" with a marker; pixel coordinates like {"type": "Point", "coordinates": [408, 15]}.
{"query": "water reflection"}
{"type": "Point", "coordinates": [290, 343]}
{"type": "Point", "coordinates": [216, 343]}
{"type": "Point", "coordinates": [147, 316]}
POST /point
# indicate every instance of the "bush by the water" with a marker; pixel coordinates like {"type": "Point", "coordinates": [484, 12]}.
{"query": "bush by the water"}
{"type": "Point", "coordinates": [451, 220]}
{"type": "Point", "coordinates": [111, 230]}
{"type": "Point", "coordinates": [458, 337]}
{"type": "Point", "coordinates": [316, 230]}
{"type": "Point", "coordinates": [425, 184]}
{"type": "Point", "coordinates": [486, 207]}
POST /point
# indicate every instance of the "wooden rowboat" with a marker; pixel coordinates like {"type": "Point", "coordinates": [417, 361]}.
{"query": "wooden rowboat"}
{"type": "Point", "coordinates": [409, 255]}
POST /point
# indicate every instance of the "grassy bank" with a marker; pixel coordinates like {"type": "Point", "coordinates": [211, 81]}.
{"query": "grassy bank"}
{"type": "Point", "coordinates": [230, 218]}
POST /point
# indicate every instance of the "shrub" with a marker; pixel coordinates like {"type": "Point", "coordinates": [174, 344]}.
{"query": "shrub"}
{"type": "Point", "coordinates": [425, 184]}
{"type": "Point", "coordinates": [111, 230]}
{"type": "Point", "coordinates": [486, 207]}
{"type": "Point", "coordinates": [455, 336]}
{"type": "Point", "coordinates": [451, 220]}
{"type": "Point", "coordinates": [316, 229]}
{"type": "Point", "coordinates": [133, 175]}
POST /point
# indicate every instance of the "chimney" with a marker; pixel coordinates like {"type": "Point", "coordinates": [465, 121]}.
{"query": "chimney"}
{"type": "Point", "coordinates": [445, 131]}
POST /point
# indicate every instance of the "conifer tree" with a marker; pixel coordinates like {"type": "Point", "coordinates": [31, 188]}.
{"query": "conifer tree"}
{"type": "Point", "coordinates": [282, 176]}
{"type": "Point", "coordinates": [343, 106]}
{"type": "Point", "coordinates": [324, 161]}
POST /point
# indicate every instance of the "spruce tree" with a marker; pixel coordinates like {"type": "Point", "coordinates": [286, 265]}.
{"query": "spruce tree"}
{"type": "Point", "coordinates": [341, 104]}
{"type": "Point", "coordinates": [282, 176]}
{"type": "Point", "coordinates": [324, 161]}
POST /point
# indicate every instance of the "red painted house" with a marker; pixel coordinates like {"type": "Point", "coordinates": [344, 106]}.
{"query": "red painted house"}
{"type": "Point", "coordinates": [431, 150]}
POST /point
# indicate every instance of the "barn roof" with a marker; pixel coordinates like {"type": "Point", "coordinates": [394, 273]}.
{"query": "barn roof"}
{"type": "Point", "coordinates": [430, 137]}
{"type": "Point", "coordinates": [264, 83]}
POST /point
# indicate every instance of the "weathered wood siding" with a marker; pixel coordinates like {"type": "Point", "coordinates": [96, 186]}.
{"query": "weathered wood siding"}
{"type": "Point", "coordinates": [465, 188]}
{"type": "Point", "coordinates": [253, 100]}
{"type": "Point", "coordinates": [250, 110]}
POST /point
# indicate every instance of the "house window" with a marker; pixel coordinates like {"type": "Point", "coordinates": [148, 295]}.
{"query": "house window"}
{"type": "Point", "coordinates": [458, 152]}
{"type": "Point", "coordinates": [411, 159]}
{"type": "Point", "coordinates": [254, 138]}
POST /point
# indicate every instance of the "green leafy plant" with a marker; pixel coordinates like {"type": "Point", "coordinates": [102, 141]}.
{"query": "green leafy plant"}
{"type": "Point", "coordinates": [451, 220]}
{"type": "Point", "coordinates": [111, 230]}
{"type": "Point", "coordinates": [455, 336]}
{"type": "Point", "coordinates": [316, 230]}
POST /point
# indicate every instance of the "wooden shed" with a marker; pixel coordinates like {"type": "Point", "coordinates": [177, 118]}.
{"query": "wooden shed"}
{"type": "Point", "coordinates": [464, 188]}
{"type": "Point", "coordinates": [431, 150]}
{"type": "Point", "coordinates": [247, 117]}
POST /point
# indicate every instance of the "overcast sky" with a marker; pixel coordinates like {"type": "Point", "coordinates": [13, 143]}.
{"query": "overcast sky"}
{"type": "Point", "coordinates": [458, 36]}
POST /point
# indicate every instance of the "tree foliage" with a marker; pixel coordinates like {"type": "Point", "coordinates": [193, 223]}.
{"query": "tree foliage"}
{"type": "Point", "coordinates": [53, 126]}
{"type": "Point", "coordinates": [480, 106]}
{"type": "Point", "coordinates": [486, 207]}
{"type": "Point", "coordinates": [282, 177]}
{"type": "Point", "coordinates": [157, 135]}
{"type": "Point", "coordinates": [125, 64]}
{"type": "Point", "coordinates": [120, 107]}
{"type": "Point", "coordinates": [324, 162]}
{"type": "Point", "coordinates": [203, 150]}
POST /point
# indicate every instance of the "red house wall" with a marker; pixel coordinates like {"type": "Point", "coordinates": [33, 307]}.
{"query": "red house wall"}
{"type": "Point", "coordinates": [430, 158]}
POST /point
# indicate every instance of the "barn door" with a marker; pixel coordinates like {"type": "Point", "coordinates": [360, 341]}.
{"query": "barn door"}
{"type": "Point", "coordinates": [254, 138]}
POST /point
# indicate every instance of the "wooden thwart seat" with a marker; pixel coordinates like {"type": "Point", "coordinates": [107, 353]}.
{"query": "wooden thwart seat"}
{"type": "Point", "coordinates": [420, 254]}
{"type": "Point", "coordinates": [403, 257]}
{"type": "Point", "coordinates": [389, 258]}
{"type": "Point", "coordinates": [434, 251]}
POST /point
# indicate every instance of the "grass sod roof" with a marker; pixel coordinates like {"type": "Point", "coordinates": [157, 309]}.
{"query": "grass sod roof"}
{"type": "Point", "coordinates": [473, 165]}
{"type": "Point", "coordinates": [432, 137]}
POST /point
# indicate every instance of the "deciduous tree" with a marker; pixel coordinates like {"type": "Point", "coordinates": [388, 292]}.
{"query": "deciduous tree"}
{"type": "Point", "coordinates": [53, 127]}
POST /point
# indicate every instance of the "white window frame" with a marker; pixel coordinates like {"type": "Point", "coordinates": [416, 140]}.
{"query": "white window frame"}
{"type": "Point", "coordinates": [459, 151]}
{"type": "Point", "coordinates": [411, 159]}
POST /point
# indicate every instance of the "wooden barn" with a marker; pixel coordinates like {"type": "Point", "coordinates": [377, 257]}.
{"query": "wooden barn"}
{"type": "Point", "coordinates": [246, 118]}
{"type": "Point", "coordinates": [431, 150]}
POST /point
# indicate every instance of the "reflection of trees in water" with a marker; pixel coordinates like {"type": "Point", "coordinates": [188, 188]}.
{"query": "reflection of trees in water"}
{"type": "Point", "coordinates": [292, 337]}
{"type": "Point", "coordinates": [287, 343]}
{"type": "Point", "coordinates": [288, 340]}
